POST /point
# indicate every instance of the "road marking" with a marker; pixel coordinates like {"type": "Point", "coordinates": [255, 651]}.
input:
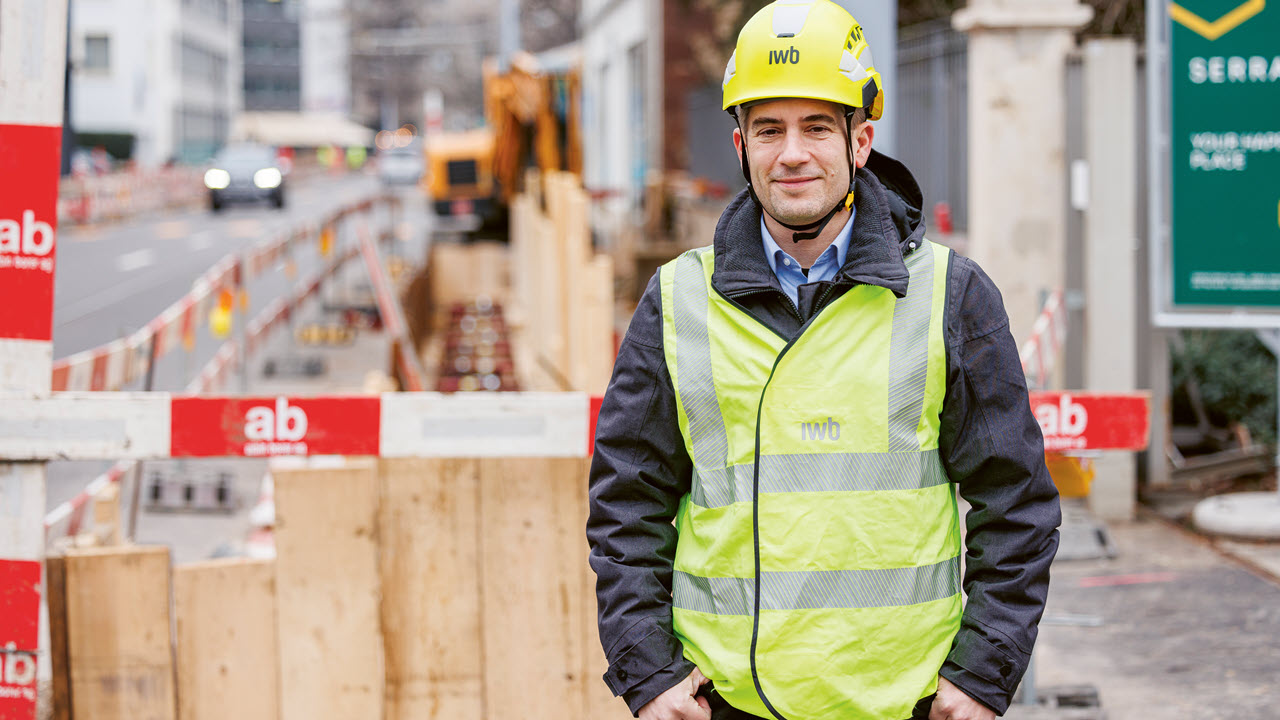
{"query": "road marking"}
{"type": "Point", "coordinates": [200, 241]}
{"type": "Point", "coordinates": [135, 260]}
{"type": "Point", "coordinates": [1134, 579]}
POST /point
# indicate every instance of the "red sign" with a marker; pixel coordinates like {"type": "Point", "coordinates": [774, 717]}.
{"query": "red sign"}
{"type": "Point", "coordinates": [19, 635]}
{"type": "Point", "coordinates": [264, 427]}
{"type": "Point", "coordinates": [1093, 421]}
{"type": "Point", "coordinates": [29, 166]}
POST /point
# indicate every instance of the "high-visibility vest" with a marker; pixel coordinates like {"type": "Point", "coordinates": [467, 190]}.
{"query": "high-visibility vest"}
{"type": "Point", "coordinates": [817, 573]}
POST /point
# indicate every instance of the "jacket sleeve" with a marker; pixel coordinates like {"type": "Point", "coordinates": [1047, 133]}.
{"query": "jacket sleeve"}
{"type": "Point", "coordinates": [992, 448]}
{"type": "Point", "coordinates": [639, 473]}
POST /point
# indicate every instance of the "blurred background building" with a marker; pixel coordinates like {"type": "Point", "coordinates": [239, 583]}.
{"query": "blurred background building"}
{"type": "Point", "coordinates": [272, 55]}
{"type": "Point", "coordinates": [155, 82]}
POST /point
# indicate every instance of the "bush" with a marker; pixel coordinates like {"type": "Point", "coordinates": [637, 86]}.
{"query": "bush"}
{"type": "Point", "coordinates": [1237, 378]}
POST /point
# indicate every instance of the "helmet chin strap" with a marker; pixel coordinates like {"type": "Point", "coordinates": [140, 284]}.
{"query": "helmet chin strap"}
{"type": "Point", "coordinates": [811, 230]}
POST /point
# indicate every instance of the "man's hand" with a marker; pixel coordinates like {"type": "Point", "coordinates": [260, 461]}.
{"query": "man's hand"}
{"type": "Point", "coordinates": [953, 704]}
{"type": "Point", "coordinates": [680, 703]}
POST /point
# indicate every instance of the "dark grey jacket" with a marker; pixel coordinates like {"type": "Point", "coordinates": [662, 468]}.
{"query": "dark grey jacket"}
{"type": "Point", "coordinates": [990, 444]}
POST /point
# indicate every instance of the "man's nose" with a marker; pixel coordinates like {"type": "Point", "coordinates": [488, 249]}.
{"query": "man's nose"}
{"type": "Point", "coordinates": [794, 151]}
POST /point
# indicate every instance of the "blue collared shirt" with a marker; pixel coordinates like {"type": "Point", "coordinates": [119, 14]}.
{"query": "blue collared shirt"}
{"type": "Point", "coordinates": [790, 276]}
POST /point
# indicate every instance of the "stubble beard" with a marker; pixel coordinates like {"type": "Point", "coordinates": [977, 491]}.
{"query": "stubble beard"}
{"type": "Point", "coordinates": [797, 210]}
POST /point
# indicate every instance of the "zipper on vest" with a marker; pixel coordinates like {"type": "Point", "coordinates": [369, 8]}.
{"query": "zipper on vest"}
{"type": "Point", "coordinates": [755, 512]}
{"type": "Point", "coordinates": [733, 301]}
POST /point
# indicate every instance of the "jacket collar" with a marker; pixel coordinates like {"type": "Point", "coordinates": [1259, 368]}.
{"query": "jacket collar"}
{"type": "Point", "coordinates": [888, 224]}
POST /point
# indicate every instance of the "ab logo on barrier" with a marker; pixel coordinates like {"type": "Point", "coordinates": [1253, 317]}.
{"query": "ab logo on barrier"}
{"type": "Point", "coordinates": [782, 57]}
{"type": "Point", "coordinates": [829, 430]}
{"type": "Point", "coordinates": [1066, 418]}
{"type": "Point", "coordinates": [29, 239]}
{"type": "Point", "coordinates": [275, 432]}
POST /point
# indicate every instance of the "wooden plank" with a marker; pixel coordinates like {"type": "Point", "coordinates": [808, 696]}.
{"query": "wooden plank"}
{"type": "Point", "coordinates": [532, 552]}
{"type": "Point", "coordinates": [55, 581]}
{"type": "Point", "coordinates": [106, 514]}
{"type": "Point", "coordinates": [228, 660]}
{"type": "Point", "coordinates": [327, 591]}
{"type": "Point", "coordinates": [429, 541]}
{"type": "Point", "coordinates": [597, 325]}
{"type": "Point", "coordinates": [118, 633]}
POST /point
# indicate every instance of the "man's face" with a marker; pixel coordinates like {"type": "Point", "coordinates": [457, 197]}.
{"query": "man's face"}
{"type": "Point", "coordinates": [798, 156]}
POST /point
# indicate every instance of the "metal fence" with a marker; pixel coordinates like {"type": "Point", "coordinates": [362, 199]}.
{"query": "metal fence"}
{"type": "Point", "coordinates": [933, 115]}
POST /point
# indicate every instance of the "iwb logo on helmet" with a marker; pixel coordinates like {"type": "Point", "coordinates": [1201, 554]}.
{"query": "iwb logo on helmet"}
{"type": "Point", "coordinates": [782, 57]}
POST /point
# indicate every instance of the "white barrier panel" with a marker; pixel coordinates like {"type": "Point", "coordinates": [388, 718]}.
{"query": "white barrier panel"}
{"type": "Point", "coordinates": [485, 425]}
{"type": "Point", "coordinates": [76, 426]}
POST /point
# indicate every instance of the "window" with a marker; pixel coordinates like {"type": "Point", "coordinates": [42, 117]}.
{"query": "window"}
{"type": "Point", "coordinates": [97, 52]}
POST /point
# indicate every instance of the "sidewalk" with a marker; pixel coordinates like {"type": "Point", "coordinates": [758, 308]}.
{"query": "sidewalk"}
{"type": "Point", "coordinates": [1168, 629]}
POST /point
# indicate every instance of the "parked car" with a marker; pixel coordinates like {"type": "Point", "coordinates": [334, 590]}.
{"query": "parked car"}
{"type": "Point", "coordinates": [245, 173]}
{"type": "Point", "coordinates": [402, 165]}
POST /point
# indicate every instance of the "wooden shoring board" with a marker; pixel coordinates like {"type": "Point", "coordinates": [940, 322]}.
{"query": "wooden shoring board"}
{"type": "Point", "coordinates": [228, 659]}
{"type": "Point", "coordinates": [55, 570]}
{"type": "Point", "coordinates": [595, 330]}
{"type": "Point", "coordinates": [327, 590]}
{"type": "Point", "coordinates": [118, 639]}
{"type": "Point", "coordinates": [575, 254]}
{"type": "Point", "coordinates": [535, 591]}
{"type": "Point", "coordinates": [429, 526]}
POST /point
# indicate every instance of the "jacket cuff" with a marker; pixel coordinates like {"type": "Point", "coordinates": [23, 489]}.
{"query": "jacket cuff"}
{"type": "Point", "coordinates": [984, 671]}
{"type": "Point", "coordinates": [648, 668]}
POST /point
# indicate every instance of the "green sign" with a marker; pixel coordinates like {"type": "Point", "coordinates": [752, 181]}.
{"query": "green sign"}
{"type": "Point", "coordinates": [1225, 152]}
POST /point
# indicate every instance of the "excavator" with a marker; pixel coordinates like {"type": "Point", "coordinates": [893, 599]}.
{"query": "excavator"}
{"type": "Point", "coordinates": [532, 119]}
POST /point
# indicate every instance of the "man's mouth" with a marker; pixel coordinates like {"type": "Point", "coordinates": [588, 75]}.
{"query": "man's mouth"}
{"type": "Point", "coordinates": [796, 182]}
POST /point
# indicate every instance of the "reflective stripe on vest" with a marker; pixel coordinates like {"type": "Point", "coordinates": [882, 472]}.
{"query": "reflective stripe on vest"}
{"type": "Point", "coordinates": [857, 532]}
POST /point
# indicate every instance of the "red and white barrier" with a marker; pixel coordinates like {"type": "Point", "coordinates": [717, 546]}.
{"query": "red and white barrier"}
{"type": "Point", "coordinates": [1040, 351]}
{"type": "Point", "coordinates": [32, 69]}
{"type": "Point", "coordinates": [83, 426]}
{"type": "Point", "coordinates": [120, 195]}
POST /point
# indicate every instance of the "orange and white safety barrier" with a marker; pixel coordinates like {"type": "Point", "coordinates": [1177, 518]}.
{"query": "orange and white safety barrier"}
{"type": "Point", "coordinates": [1040, 351]}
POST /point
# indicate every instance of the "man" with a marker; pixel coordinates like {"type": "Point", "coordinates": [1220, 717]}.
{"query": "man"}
{"type": "Point", "coordinates": [773, 516]}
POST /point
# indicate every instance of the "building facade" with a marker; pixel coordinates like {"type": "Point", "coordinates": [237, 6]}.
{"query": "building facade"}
{"type": "Point", "coordinates": [272, 55]}
{"type": "Point", "coordinates": [156, 81]}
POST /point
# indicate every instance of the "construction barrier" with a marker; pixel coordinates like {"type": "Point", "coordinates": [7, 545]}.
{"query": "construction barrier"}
{"type": "Point", "coordinates": [1039, 353]}
{"type": "Point", "coordinates": [84, 199]}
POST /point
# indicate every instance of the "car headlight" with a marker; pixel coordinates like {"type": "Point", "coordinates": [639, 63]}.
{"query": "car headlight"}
{"type": "Point", "coordinates": [217, 179]}
{"type": "Point", "coordinates": [267, 178]}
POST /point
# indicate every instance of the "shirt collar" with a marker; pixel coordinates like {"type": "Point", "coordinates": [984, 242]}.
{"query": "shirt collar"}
{"type": "Point", "coordinates": [840, 244]}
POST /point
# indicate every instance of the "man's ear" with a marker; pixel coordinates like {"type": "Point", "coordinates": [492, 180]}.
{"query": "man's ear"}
{"type": "Point", "coordinates": [737, 145]}
{"type": "Point", "coordinates": [862, 136]}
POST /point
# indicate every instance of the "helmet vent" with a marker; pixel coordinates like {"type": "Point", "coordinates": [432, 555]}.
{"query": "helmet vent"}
{"type": "Point", "coordinates": [788, 20]}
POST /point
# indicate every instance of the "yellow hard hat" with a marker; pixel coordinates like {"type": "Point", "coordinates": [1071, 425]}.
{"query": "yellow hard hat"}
{"type": "Point", "coordinates": [804, 49]}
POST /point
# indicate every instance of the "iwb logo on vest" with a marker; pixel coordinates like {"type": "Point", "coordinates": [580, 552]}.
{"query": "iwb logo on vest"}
{"type": "Point", "coordinates": [829, 430]}
{"type": "Point", "coordinates": [783, 57]}
{"type": "Point", "coordinates": [1092, 421]}
{"type": "Point", "coordinates": [262, 427]}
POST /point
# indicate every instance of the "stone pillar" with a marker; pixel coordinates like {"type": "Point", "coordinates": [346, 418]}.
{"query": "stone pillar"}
{"type": "Point", "coordinates": [1111, 251]}
{"type": "Point", "coordinates": [1017, 145]}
